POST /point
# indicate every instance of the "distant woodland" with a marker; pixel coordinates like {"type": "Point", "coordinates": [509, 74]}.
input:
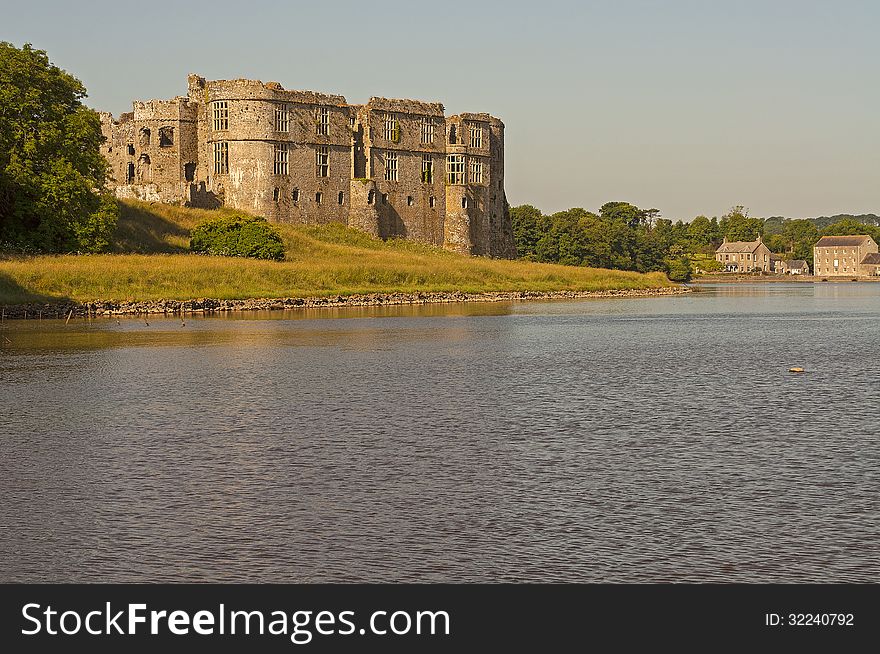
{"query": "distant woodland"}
{"type": "Point", "coordinates": [625, 237]}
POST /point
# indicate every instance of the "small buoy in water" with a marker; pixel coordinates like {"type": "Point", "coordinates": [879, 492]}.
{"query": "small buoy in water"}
{"type": "Point", "coordinates": [795, 370]}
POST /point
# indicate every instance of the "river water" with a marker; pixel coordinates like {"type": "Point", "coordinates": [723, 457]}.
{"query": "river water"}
{"type": "Point", "coordinates": [624, 440]}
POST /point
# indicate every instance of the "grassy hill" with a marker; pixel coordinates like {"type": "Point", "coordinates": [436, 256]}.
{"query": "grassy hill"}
{"type": "Point", "coordinates": [150, 261]}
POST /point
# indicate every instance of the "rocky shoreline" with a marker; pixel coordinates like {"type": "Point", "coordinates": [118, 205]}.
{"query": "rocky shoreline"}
{"type": "Point", "coordinates": [208, 306]}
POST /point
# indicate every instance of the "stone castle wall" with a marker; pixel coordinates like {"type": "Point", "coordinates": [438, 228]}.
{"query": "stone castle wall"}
{"type": "Point", "coordinates": [393, 168]}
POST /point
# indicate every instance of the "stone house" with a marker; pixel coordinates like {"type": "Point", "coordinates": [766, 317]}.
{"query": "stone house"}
{"type": "Point", "coordinates": [797, 267]}
{"type": "Point", "coordinates": [789, 267]}
{"type": "Point", "coordinates": [392, 168]}
{"type": "Point", "coordinates": [777, 265]}
{"type": "Point", "coordinates": [844, 256]}
{"type": "Point", "coordinates": [871, 264]}
{"type": "Point", "coordinates": [744, 256]}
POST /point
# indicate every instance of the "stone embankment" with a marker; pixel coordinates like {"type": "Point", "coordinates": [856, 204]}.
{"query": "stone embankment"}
{"type": "Point", "coordinates": [769, 279]}
{"type": "Point", "coordinates": [207, 306]}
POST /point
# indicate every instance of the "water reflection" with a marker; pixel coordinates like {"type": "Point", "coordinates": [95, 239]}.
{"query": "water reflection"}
{"type": "Point", "coordinates": [657, 439]}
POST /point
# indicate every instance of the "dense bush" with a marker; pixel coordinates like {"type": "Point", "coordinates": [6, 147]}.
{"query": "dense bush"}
{"type": "Point", "coordinates": [237, 236]}
{"type": "Point", "coordinates": [709, 265]}
{"type": "Point", "coordinates": [679, 270]}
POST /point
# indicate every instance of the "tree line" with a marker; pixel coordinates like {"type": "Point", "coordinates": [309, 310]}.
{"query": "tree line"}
{"type": "Point", "coordinates": [625, 237]}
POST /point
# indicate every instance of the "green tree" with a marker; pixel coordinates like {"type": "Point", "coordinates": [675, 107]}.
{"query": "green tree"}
{"type": "Point", "coordinates": [737, 225]}
{"type": "Point", "coordinates": [702, 233]}
{"type": "Point", "coordinates": [569, 232]}
{"type": "Point", "coordinates": [679, 270]}
{"type": "Point", "coordinates": [777, 243]}
{"type": "Point", "coordinates": [52, 174]}
{"type": "Point", "coordinates": [803, 250]}
{"type": "Point", "coordinates": [652, 247]}
{"type": "Point", "coordinates": [717, 233]}
{"type": "Point", "coordinates": [527, 223]}
{"type": "Point", "coordinates": [800, 231]}
{"type": "Point", "coordinates": [774, 225]}
{"type": "Point", "coordinates": [849, 227]}
{"type": "Point", "coordinates": [800, 236]}
{"type": "Point", "coordinates": [624, 212]}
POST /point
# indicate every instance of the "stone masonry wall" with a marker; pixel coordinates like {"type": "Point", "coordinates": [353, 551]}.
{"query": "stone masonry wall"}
{"type": "Point", "coordinates": [412, 205]}
{"type": "Point", "coordinates": [308, 157]}
{"type": "Point", "coordinates": [149, 149]}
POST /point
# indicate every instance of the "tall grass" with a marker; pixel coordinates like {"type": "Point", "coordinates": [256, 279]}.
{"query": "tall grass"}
{"type": "Point", "coordinates": [321, 260]}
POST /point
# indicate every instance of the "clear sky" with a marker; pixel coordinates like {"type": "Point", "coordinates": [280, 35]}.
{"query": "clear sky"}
{"type": "Point", "coordinates": [687, 106]}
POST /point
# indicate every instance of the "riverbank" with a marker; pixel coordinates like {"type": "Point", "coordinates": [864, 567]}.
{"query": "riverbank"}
{"type": "Point", "coordinates": [208, 306]}
{"type": "Point", "coordinates": [151, 264]}
{"type": "Point", "coordinates": [768, 279]}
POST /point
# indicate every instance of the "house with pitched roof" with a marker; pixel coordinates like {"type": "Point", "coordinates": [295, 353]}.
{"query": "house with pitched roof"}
{"type": "Point", "coordinates": [844, 256]}
{"type": "Point", "coordinates": [871, 264]}
{"type": "Point", "coordinates": [744, 256]}
{"type": "Point", "coordinates": [797, 267]}
{"type": "Point", "coordinates": [789, 267]}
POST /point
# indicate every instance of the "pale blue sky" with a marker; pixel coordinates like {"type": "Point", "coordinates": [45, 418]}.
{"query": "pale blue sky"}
{"type": "Point", "coordinates": [686, 106]}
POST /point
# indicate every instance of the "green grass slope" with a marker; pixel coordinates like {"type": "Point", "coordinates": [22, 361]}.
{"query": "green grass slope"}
{"type": "Point", "coordinates": [150, 261]}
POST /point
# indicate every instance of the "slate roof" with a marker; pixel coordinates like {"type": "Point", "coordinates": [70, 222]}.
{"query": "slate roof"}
{"type": "Point", "coordinates": [738, 246]}
{"type": "Point", "coordinates": [841, 241]}
{"type": "Point", "coordinates": [796, 264]}
{"type": "Point", "coordinates": [872, 258]}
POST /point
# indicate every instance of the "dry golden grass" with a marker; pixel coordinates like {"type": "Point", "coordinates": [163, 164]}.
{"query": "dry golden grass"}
{"type": "Point", "coordinates": [321, 260]}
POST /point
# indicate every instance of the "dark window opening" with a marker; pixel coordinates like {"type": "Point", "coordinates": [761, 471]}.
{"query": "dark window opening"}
{"type": "Point", "coordinates": [360, 157]}
{"type": "Point", "coordinates": [276, 194]}
{"type": "Point", "coordinates": [341, 198]}
{"type": "Point", "coordinates": [129, 177]}
{"type": "Point", "coordinates": [166, 137]}
{"type": "Point", "coordinates": [452, 134]}
{"type": "Point", "coordinates": [384, 198]}
{"type": "Point", "coordinates": [131, 149]}
{"type": "Point", "coordinates": [189, 171]}
{"type": "Point", "coordinates": [318, 197]}
{"type": "Point", "coordinates": [295, 195]}
{"type": "Point", "coordinates": [432, 201]}
{"type": "Point", "coordinates": [371, 197]}
{"type": "Point", "coordinates": [144, 137]}
{"type": "Point", "coordinates": [464, 203]}
{"type": "Point", "coordinates": [409, 200]}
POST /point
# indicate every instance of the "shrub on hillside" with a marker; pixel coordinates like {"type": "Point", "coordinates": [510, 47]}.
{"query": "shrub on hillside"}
{"type": "Point", "coordinates": [679, 270]}
{"type": "Point", "coordinates": [710, 265]}
{"type": "Point", "coordinates": [237, 236]}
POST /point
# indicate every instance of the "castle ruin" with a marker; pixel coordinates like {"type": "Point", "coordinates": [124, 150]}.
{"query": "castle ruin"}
{"type": "Point", "coordinates": [392, 168]}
